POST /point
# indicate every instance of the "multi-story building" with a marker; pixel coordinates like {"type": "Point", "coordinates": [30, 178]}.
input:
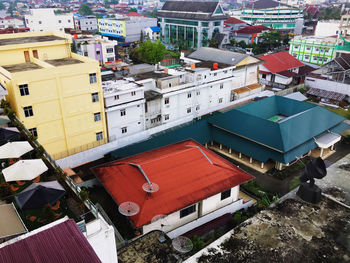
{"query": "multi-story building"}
{"type": "Point", "coordinates": [311, 49]}
{"type": "Point", "coordinates": [44, 19]}
{"type": "Point", "coordinates": [56, 94]}
{"type": "Point", "coordinates": [12, 22]}
{"type": "Point", "coordinates": [86, 23]}
{"type": "Point", "coordinates": [127, 29]}
{"type": "Point", "coordinates": [273, 14]}
{"type": "Point", "coordinates": [100, 49]}
{"type": "Point", "coordinates": [343, 41]}
{"type": "Point", "coordinates": [190, 23]}
{"type": "Point", "coordinates": [211, 79]}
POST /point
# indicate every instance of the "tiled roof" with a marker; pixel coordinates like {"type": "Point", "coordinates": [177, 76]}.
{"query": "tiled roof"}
{"type": "Point", "coordinates": [61, 243]}
{"type": "Point", "coordinates": [133, 14]}
{"type": "Point", "coordinates": [233, 21]}
{"type": "Point", "coordinates": [184, 174]}
{"type": "Point", "coordinates": [281, 61]}
{"type": "Point", "coordinates": [253, 29]}
{"type": "Point", "coordinates": [287, 73]}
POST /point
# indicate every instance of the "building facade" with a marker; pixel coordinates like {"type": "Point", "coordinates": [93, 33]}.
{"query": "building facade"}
{"type": "Point", "coordinates": [9, 21]}
{"type": "Point", "coordinates": [272, 14]}
{"type": "Point", "coordinates": [56, 94]}
{"type": "Point", "coordinates": [190, 23]}
{"type": "Point", "coordinates": [85, 23]}
{"type": "Point", "coordinates": [315, 50]}
{"type": "Point", "coordinates": [126, 29]}
{"type": "Point", "coordinates": [45, 19]}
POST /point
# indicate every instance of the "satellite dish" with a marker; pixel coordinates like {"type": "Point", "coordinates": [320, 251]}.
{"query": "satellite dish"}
{"type": "Point", "coordinates": [182, 244]}
{"type": "Point", "coordinates": [310, 192]}
{"type": "Point", "coordinates": [150, 187]}
{"type": "Point", "coordinates": [129, 208]}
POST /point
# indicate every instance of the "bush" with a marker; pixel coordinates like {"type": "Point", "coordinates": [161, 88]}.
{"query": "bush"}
{"type": "Point", "coordinates": [198, 244]}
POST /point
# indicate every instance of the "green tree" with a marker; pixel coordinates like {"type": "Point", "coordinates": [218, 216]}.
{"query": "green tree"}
{"type": "Point", "coordinates": [132, 10]}
{"type": "Point", "coordinates": [233, 42]}
{"type": "Point", "coordinates": [242, 44]}
{"type": "Point", "coordinates": [213, 43]}
{"type": "Point", "coordinates": [152, 13]}
{"type": "Point", "coordinates": [2, 7]}
{"type": "Point", "coordinates": [85, 10]}
{"type": "Point", "coordinates": [198, 244]}
{"type": "Point", "coordinates": [150, 52]}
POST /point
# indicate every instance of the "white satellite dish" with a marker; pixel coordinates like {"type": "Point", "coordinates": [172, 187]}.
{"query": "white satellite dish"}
{"type": "Point", "coordinates": [182, 244]}
{"type": "Point", "coordinates": [129, 208]}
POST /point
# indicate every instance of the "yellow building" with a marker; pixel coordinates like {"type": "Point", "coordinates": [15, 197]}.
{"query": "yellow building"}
{"type": "Point", "coordinates": [56, 94]}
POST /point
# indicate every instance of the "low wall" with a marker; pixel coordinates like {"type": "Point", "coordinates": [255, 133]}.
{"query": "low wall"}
{"type": "Point", "coordinates": [231, 208]}
{"type": "Point", "coordinates": [329, 85]}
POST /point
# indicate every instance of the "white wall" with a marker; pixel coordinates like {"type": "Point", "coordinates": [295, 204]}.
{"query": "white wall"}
{"type": "Point", "coordinates": [214, 202]}
{"type": "Point", "coordinates": [328, 85]}
{"type": "Point", "coordinates": [327, 28]}
{"type": "Point", "coordinates": [17, 23]}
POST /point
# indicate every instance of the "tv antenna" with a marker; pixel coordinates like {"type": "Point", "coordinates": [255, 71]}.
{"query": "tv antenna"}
{"type": "Point", "coordinates": [182, 244]}
{"type": "Point", "coordinates": [148, 187]}
{"type": "Point", "coordinates": [129, 208]}
{"type": "Point", "coordinates": [163, 223]}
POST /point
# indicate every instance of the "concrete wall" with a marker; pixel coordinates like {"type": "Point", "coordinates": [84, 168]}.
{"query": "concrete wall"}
{"type": "Point", "coordinates": [328, 85]}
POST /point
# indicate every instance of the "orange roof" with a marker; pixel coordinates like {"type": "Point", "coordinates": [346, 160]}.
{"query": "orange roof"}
{"type": "Point", "coordinates": [241, 90]}
{"type": "Point", "coordinates": [184, 175]}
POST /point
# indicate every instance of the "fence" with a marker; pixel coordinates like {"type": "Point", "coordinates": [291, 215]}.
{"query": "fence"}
{"type": "Point", "coordinates": [290, 90]}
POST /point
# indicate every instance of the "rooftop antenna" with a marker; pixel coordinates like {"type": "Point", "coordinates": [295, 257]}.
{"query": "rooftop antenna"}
{"type": "Point", "coordinates": [199, 148]}
{"type": "Point", "coordinates": [310, 192]}
{"type": "Point", "coordinates": [182, 244]}
{"type": "Point", "coordinates": [147, 187]}
{"type": "Point", "coordinates": [129, 208]}
{"type": "Point", "coordinates": [163, 222]}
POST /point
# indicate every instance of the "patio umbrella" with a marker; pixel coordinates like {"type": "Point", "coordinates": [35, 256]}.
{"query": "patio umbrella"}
{"type": "Point", "coordinates": [8, 133]}
{"type": "Point", "coordinates": [38, 195]}
{"type": "Point", "coordinates": [4, 120]}
{"type": "Point", "coordinates": [14, 149]}
{"type": "Point", "coordinates": [24, 170]}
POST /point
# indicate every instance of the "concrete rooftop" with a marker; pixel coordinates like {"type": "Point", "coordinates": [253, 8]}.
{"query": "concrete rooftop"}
{"type": "Point", "coordinates": [25, 40]}
{"type": "Point", "coordinates": [21, 67]}
{"type": "Point", "coordinates": [63, 61]}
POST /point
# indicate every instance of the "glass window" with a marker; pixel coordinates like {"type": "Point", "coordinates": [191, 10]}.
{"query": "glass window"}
{"type": "Point", "coordinates": [110, 59]}
{"type": "Point", "coordinates": [124, 129]}
{"type": "Point", "coordinates": [166, 101]}
{"type": "Point", "coordinates": [181, 22]}
{"type": "Point", "coordinates": [188, 110]}
{"type": "Point", "coordinates": [226, 194]}
{"type": "Point", "coordinates": [205, 24]}
{"type": "Point", "coordinates": [97, 116]}
{"type": "Point", "coordinates": [116, 97]}
{"type": "Point", "coordinates": [166, 117]}
{"type": "Point", "coordinates": [93, 78]}
{"type": "Point", "coordinates": [94, 97]}
{"type": "Point", "coordinates": [187, 211]}
{"type": "Point", "coordinates": [28, 111]}
{"type": "Point", "coordinates": [99, 136]}
{"type": "Point", "coordinates": [33, 131]}
{"type": "Point", "coordinates": [220, 100]}
{"type": "Point", "coordinates": [218, 23]}
{"type": "Point", "coordinates": [110, 50]}
{"type": "Point", "coordinates": [221, 86]}
{"type": "Point", "coordinates": [23, 89]}
{"type": "Point", "coordinates": [59, 21]}
{"type": "Point", "coordinates": [189, 95]}
{"type": "Point", "coordinates": [133, 93]}
{"type": "Point", "coordinates": [197, 107]}
{"type": "Point", "coordinates": [122, 112]}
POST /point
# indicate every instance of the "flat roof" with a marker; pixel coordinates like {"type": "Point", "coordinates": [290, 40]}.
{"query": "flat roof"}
{"type": "Point", "coordinates": [25, 40]}
{"type": "Point", "coordinates": [21, 67]}
{"type": "Point", "coordinates": [10, 222]}
{"type": "Point", "coordinates": [151, 75]}
{"type": "Point", "coordinates": [185, 172]}
{"type": "Point", "coordinates": [63, 61]}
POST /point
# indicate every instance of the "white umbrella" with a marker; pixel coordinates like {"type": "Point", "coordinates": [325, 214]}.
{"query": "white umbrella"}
{"type": "Point", "coordinates": [14, 149]}
{"type": "Point", "coordinates": [24, 170]}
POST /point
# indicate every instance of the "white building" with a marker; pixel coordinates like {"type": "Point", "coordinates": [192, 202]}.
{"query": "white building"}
{"type": "Point", "coordinates": [86, 23]}
{"type": "Point", "coordinates": [9, 21]}
{"type": "Point", "coordinates": [124, 107]}
{"type": "Point", "coordinates": [45, 19]}
{"type": "Point", "coordinates": [327, 28]}
{"type": "Point", "coordinates": [152, 33]}
{"type": "Point", "coordinates": [211, 79]}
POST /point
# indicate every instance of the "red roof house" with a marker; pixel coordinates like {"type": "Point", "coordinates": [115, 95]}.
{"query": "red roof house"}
{"type": "Point", "coordinates": [281, 61]}
{"type": "Point", "coordinates": [253, 29]}
{"type": "Point", "coordinates": [233, 21]}
{"type": "Point", "coordinates": [250, 34]}
{"type": "Point", "coordinates": [185, 172]}
{"type": "Point", "coordinates": [133, 14]}
{"type": "Point", "coordinates": [61, 243]}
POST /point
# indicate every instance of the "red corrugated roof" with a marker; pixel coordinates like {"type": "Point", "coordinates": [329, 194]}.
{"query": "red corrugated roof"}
{"type": "Point", "coordinates": [62, 243]}
{"type": "Point", "coordinates": [233, 20]}
{"type": "Point", "coordinates": [133, 14]}
{"type": "Point", "coordinates": [253, 29]}
{"type": "Point", "coordinates": [183, 173]}
{"type": "Point", "coordinates": [281, 61]}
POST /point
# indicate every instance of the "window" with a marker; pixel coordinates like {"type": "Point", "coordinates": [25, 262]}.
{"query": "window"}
{"type": "Point", "coordinates": [189, 95]}
{"type": "Point", "coordinates": [99, 136]}
{"type": "Point", "coordinates": [124, 129]}
{"type": "Point", "coordinates": [94, 97]}
{"type": "Point", "coordinates": [187, 211]}
{"type": "Point", "coordinates": [33, 131]}
{"type": "Point", "coordinates": [28, 111]}
{"type": "Point", "coordinates": [68, 20]}
{"type": "Point", "coordinates": [221, 86]}
{"type": "Point", "coordinates": [86, 54]}
{"type": "Point", "coordinates": [308, 48]}
{"type": "Point", "coordinates": [197, 107]}
{"type": "Point", "coordinates": [122, 112]}
{"type": "Point", "coordinates": [296, 47]}
{"type": "Point", "coordinates": [40, 22]}
{"type": "Point", "coordinates": [23, 89]}
{"type": "Point", "coordinates": [215, 74]}
{"type": "Point", "coordinates": [198, 93]}
{"type": "Point", "coordinates": [315, 57]}
{"type": "Point", "coordinates": [220, 100]}
{"type": "Point", "coordinates": [97, 116]}
{"type": "Point", "coordinates": [93, 78]}
{"type": "Point", "coordinates": [133, 93]}
{"type": "Point", "coordinates": [109, 50]}
{"type": "Point", "coordinates": [166, 117]}
{"type": "Point", "coordinates": [166, 101]}
{"type": "Point", "coordinates": [226, 194]}
{"type": "Point", "coordinates": [188, 110]}
{"type": "Point", "coordinates": [264, 76]}
{"type": "Point", "coordinates": [169, 85]}
{"type": "Point", "coordinates": [59, 21]}
{"type": "Point", "coordinates": [110, 59]}
{"type": "Point", "coordinates": [306, 57]}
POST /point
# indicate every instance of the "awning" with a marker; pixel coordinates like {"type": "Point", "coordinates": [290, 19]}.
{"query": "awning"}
{"type": "Point", "coordinates": [24, 170]}
{"type": "Point", "coordinates": [327, 140]}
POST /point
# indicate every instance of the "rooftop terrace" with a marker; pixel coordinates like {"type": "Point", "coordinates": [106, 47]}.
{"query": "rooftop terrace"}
{"type": "Point", "coordinates": [63, 61]}
{"type": "Point", "coordinates": [25, 40]}
{"type": "Point", "coordinates": [21, 67]}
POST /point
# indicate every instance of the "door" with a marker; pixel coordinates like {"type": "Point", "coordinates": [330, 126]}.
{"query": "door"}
{"type": "Point", "coordinates": [26, 56]}
{"type": "Point", "coordinates": [35, 53]}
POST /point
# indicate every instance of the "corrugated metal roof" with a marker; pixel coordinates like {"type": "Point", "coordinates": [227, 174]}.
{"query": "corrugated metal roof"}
{"type": "Point", "coordinates": [280, 61]}
{"type": "Point", "coordinates": [183, 173]}
{"type": "Point", "coordinates": [62, 243]}
{"type": "Point", "coordinates": [326, 94]}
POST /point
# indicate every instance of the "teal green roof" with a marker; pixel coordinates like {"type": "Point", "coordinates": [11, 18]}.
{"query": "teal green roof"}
{"type": "Point", "coordinates": [303, 121]}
